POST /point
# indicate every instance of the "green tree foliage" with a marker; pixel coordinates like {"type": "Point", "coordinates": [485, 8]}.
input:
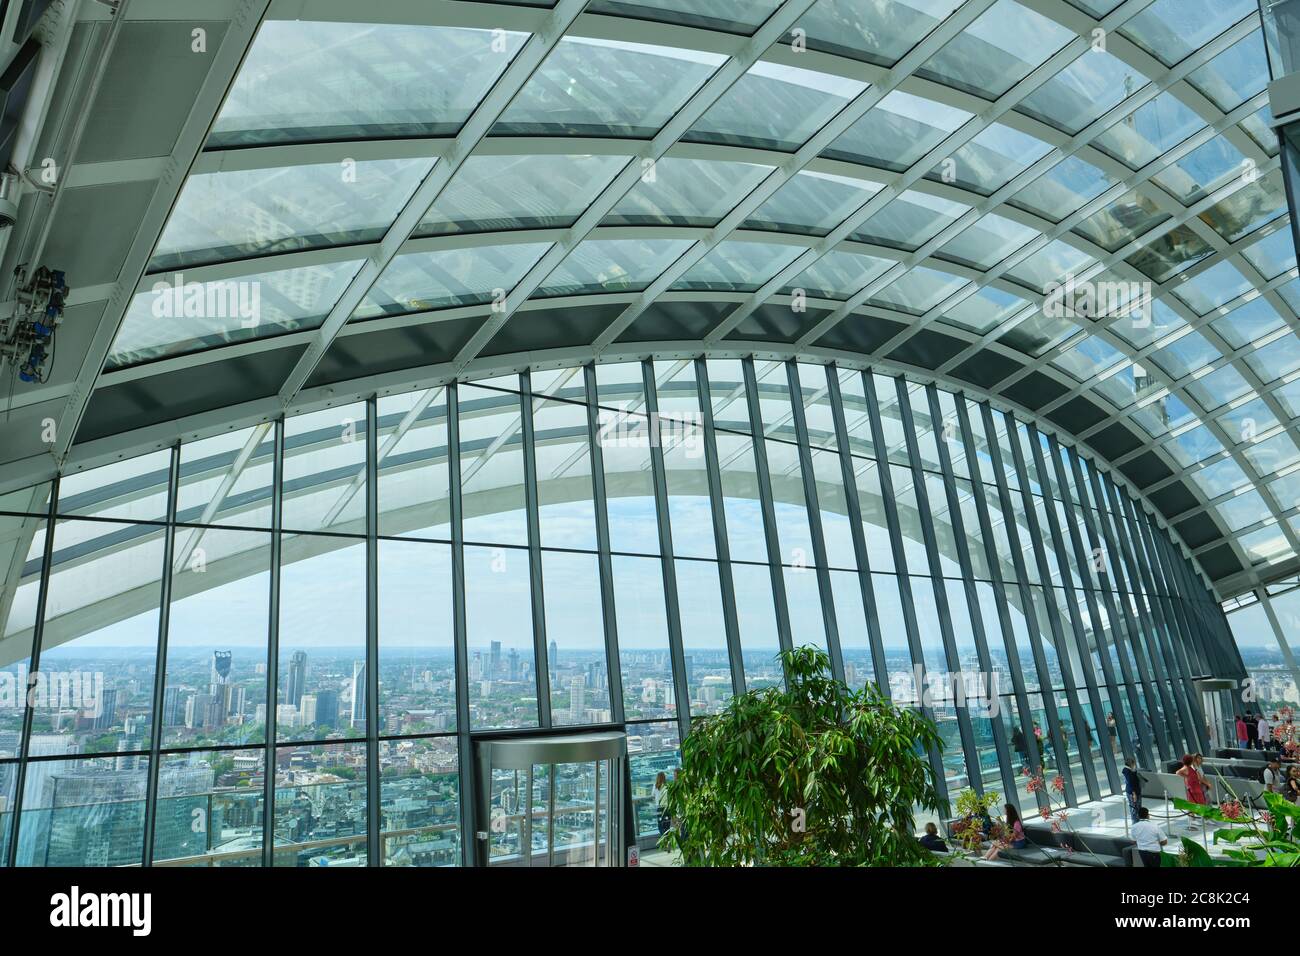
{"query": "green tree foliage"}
{"type": "Point", "coordinates": [810, 775]}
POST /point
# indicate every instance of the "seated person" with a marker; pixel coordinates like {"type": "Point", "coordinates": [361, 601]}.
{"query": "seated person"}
{"type": "Point", "coordinates": [1015, 834]}
{"type": "Point", "coordinates": [1150, 838]}
{"type": "Point", "coordinates": [932, 841]}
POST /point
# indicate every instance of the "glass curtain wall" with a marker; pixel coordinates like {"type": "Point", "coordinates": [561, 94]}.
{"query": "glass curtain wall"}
{"type": "Point", "coordinates": [276, 646]}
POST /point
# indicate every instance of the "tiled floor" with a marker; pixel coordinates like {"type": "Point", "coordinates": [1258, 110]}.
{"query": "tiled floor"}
{"type": "Point", "coordinates": [658, 858]}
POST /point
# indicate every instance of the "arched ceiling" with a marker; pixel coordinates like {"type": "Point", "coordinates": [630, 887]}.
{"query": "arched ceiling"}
{"type": "Point", "coordinates": [459, 188]}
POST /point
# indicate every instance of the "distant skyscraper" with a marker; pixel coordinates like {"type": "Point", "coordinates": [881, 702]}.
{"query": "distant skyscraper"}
{"type": "Point", "coordinates": [514, 664]}
{"type": "Point", "coordinates": [173, 707]}
{"type": "Point", "coordinates": [220, 667]}
{"type": "Point", "coordinates": [358, 693]}
{"type": "Point", "coordinates": [577, 698]}
{"type": "Point", "coordinates": [107, 709]}
{"type": "Point", "coordinates": [327, 708]}
{"type": "Point", "coordinates": [495, 662]}
{"type": "Point", "coordinates": [297, 678]}
{"type": "Point", "coordinates": [555, 655]}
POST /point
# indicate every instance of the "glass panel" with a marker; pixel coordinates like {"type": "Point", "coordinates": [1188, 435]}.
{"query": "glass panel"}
{"type": "Point", "coordinates": [1122, 221]}
{"type": "Point", "coordinates": [227, 479]}
{"type": "Point", "coordinates": [686, 192]}
{"type": "Point", "coordinates": [1272, 255]}
{"type": "Point", "coordinates": [1235, 75]}
{"type": "Point", "coordinates": [1000, 48]}
{"type": "Point", "coordinates": [1201, 171]}
{"type": "Point", "coordinates": [419, 803]}
{"type": "Point", "coordinates": [758, 633]}
{"type": "Point", "coordinates": [566, 513]}
{"type": "Point", "coordinates": [210, 808]}
{"type": "Point", "coordinates": [1248, 208]}
{"type": "Point", "coordinates": [735, 266]}
{"type": "Point", "coordinates": [1153, 128]}
{"type": "Point", "coordinates": [774, 106]}
{"type": "Point", "coordinates": [236, 214]}
{"type": "Point", "coordinates": [897, 131]}
{"type": "Point", "coordinates": [730, 16]}
{"type": "Point", "coordinates": [175, 316]}
{"type": "Point", "coordinates": [420, 281]}
{"type": "Point", "coordinates": [643, 638]}
{"type": "Point", "coordinates": [320, 805]}
{"type": "Point", "coordinates": [1083, 91]}
{"type": "Point", "coordinates": [1173, 29]}
{"type": "Point", "coordinates": [417, 666]}
{"type": "Point", "coordinates": [878, 31]}
{"type": "Point", "coordinates": [612, 265]}
{"type": "Point", "coordinates": [812, 203]}
{"type": "Point", "coordinates": [492, 466]}
{"type": "Point", "coordinates": [909, 221]}
{"type": "Point", "coordinates": [838, 275]}
{"type": "Point", "coordinates": [575, 631]}
{"type": "Point", "coordinates": [652, 749]}
{"type": "Point", "coordinates": [984, 310]}
{"type": "Point", "coordinates": [987, 242]}
{"type": "Point", "coordinates": [542, 191]}
{"type": "Point", "coordinates": [918, 290]}
{"type": "Point", "coordinates": [215, 690]}
{"type": "Point", "coordinates": [131, 490]}
{"type": "Point", "coordinates": [1065, 187]}
{"type": "Point", "coordinates": [321, 690]}
{"type": "Point", "coordinates": [704, 637]}
{"type": "Point", "coordinates": [740, 497]}
{"type": "Point", "coordinates": [101, 636]}
{"type": "Point", "coordinates": [302, 81]}
{"type": "Point", "coordinates": [992, 159]}
{"type": "Point", "coordinates": [499, 628]}
{"type": "Point", "coordinates": [629, 483]}
{"type": "Point", "coordinates": [83, 812]}
{"type": "Point", "coordinates": [413, 479]}
{"type": "Point", "coordinates": [593, 87]}
{"type": "Point", "coordinates": [324, 470]}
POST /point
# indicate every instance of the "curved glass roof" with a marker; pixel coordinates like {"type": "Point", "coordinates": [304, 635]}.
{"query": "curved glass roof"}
{"type": "Point", "coordinates": [900, 180]}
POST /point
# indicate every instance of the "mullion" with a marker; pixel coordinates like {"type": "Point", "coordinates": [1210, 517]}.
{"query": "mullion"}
{"type": "Point", "coordinates": [938, 585]}
{"type": "Point", "coordinates": [901, 577]}
{"type": "Point", "coordinates": [1046, 692]}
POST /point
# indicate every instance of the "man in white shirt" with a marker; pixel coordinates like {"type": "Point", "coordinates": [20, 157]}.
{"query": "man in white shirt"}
{"type": "Point", "coordinates": [1150, 838]}
{"type": "Point", "coordinates": [1265, 732]}
{"type": "Point", "coordinates": [1273, 777]}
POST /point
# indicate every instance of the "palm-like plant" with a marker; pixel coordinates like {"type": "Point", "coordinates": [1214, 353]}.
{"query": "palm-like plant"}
{"type": "Point", "coordinates": [1263, 839]}
{"type": "Point", "coordinates": [812, 774]}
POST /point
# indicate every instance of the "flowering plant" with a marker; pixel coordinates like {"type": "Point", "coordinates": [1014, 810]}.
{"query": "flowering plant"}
{"type": "Point", "coordinates": [1257, 840]}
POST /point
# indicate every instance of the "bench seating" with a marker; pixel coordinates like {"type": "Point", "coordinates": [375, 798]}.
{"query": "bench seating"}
{"type": "Point", "coordinates": [1087, 849]}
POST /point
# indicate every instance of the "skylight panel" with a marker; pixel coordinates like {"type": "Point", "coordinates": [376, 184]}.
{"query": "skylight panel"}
{"type": "Point", "coordinates": [774, 107]}
{"type": "Point", "coordinates": [307, 81]}
{"type": "Point", "coordinates": [495, 193]}
{"type": "Point", "coordinates": [686, 192]}
{"type": "Point", "coordinates": [999, 49]}
{"type": "Point", "coordinates": [174, 316]}
{"type": "Point", "coordinates": [420, 281]}
{"type": "Point", "coordinates": [897, 131]}
{"type": "Point", "coordinates": [234, 214]}
{"type": "Point", "coordinates": [593, 87]}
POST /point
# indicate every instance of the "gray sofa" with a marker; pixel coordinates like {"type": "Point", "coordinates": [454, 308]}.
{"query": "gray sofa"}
{"type": "Point", "coordinates": [1085, 848]}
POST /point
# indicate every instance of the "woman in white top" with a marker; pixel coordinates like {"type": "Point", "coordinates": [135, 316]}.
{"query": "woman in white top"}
{"type": "Point", "coordinates": [661, 797]}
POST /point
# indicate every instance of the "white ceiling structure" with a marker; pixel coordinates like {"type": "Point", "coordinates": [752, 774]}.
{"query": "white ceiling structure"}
{"type": "Point", "coordinates": [460, 188]}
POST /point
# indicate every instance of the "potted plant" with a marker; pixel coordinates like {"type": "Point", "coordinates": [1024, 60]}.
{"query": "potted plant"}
{"type": "Point", "coordinates": [811, 774]}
